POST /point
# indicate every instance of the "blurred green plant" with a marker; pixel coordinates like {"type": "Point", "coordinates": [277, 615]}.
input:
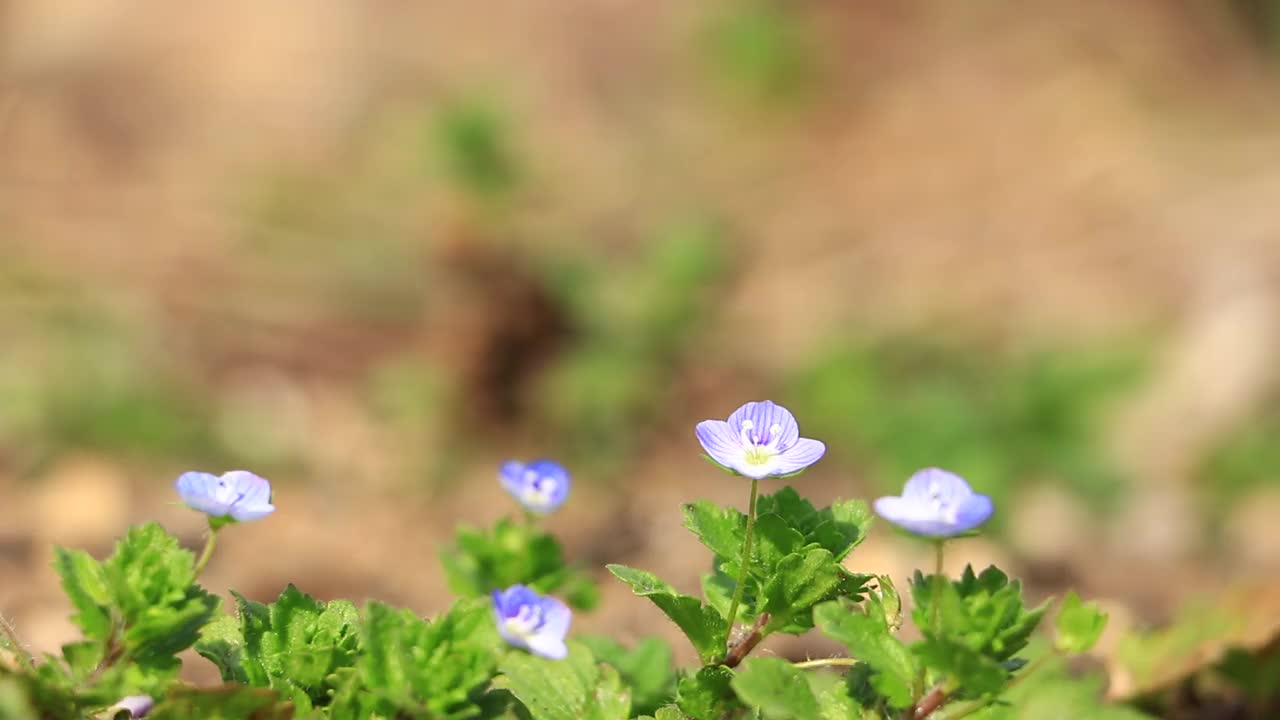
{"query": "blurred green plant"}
{"type": "Point", "coordinates": [759, 49]}
{"type": "Point", "coordinates": [81, 380]}
{"type": "Point", "coordinates": [472, 140]}
{"type": "Point", "coordinates": [1244, 461]}
{"type": "Point", "coordinates": [635, 321]}
{"type": "Point", "coordinates": [902, 404]}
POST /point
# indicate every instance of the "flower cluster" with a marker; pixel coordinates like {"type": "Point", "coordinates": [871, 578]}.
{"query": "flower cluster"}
{"type": "Point", "coordinates": [762, 439]}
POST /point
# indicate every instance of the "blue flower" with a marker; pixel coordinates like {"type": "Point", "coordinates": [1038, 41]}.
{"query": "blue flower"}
{"type": "Point", "coordinates": [537, 623]}
{"type": "Point", "coordinates": [759, 440]}
{"type": "Point", "coordinates": [542, 485]}
{"type": "Point", "coordinates": [136, 705]}
{"type": "Point", "coordinates": [937, 504]}
{"type": "Point", "coordinates": [239, 495]}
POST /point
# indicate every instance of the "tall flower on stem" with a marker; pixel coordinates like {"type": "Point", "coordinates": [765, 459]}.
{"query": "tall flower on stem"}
{"type": "Point", "coordinates": [759, 440]}
{"type": "Point", "coordinates": [936, 505]}
{"type": "Point", "coordinates": [236, 496]}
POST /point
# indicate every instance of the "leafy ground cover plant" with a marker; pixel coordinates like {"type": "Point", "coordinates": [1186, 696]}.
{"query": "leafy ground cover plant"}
{"type": "Point", "coordinates": [504, 649]}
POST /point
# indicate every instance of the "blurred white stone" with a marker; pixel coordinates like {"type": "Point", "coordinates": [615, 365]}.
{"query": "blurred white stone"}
{"type": "Point", "coordinates": [83, 501]}
{"type": "Point", "coordinates": [1049, 523]}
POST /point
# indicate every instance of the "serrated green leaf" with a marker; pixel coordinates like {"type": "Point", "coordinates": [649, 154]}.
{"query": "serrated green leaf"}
{"type": "Point", "coordinates": [1079, 625]}
{"type": "Point", "coordinates": [717, 588]}
{"type": "Point", "coordinates": [799, 582]}
{"type": "Point", "coordinates": [978, 674]}
{"type": "Point", "coordinates": [704, 627]}
{"type": "Point", "coordinates": [670, 712]}
{"type": "Point", "coordinates": [982, 612]}
{"type": "Point", "coordinates": [569, 689]}
{"type": "Point", "coordinates": [777, 688]}
{"type": "Point", "coordinates": [293, 645]}
{"type": "Point", "coordinates": [706, 694]}
{"type": "Point", "coordinates": [222, 644]}
{"type": "Point", "coordinates": [647, 668]}
{"type": "Point", "coordinates": [866, 633]}
{"type": "Point", "coordinates": [85, 585]}
{"type": "Point", "coordinates": [843, 527]}
{"type": "Point", "coordinates": [418, 668]}
{"type": "Point", "coordinates": [722, 529]}
{"type": "Point", "coordinates": [480, 562]}
{"type": "Point", "coordinates": [775, 539]}
{"type": "Point", "coordinates": [232, 702]}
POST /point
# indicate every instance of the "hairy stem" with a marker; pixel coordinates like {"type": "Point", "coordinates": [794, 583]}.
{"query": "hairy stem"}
{"type": "Point", "coordinates": [937, 587]}
{"type": "Point", "coordinates": [207, 552]}
{"type": "Point", "coordinates": [738, 652]}
{"type": "Point", "coordinates": [19, 650]}
{"type": "Point", "coordinates": [745, 561]}
{"type": "Point", "coordinates": [826, 662]}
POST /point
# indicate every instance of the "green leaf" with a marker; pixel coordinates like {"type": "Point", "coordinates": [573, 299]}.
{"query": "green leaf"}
{"type": "Point", "coordinates": [569, 689]}
{"type": "Point", "coordinates": [982, 612]}
{"type": "Point", "coordinates": [222, 644]}
{"type": "Point", "coordinates": [1079, 625]}
{"type": "Point", "coordinates": [866, 633]}
{"type": "Point", "coordinates": [978, 674]}
{"type": "Point", "coordinates": [647, 669]}
{"type": "Point", "coordinates": [843, 527]}
{"type": "Point", "coordinates": [721, 529]}
{"type": "Point", "coordinates": [150, 580]}
{"type": "Point", "coordinates": [294, 645]}
{"type": "Point", "coordinates": [85, 585]}
{"type": "Point", "coordinates": [775, 540]}
{"type": "Point", "coordinates": [512, 553]}
{"type": "Point", "coordinates": [706, 694]}
{"type": "Point", "coordinates": [232, 702]}
{"type": "Point", "coordinates": [800, 582]}
{"type": "Point", "coordinates": [704, 627]}
{"type": "Point", "coordinates": [777, 688]}
{"type": "Point", "coordinates": [416, 668]}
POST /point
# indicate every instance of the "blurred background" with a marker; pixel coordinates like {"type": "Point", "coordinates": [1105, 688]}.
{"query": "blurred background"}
{"type": "Point", "coordinates": [371, 249]}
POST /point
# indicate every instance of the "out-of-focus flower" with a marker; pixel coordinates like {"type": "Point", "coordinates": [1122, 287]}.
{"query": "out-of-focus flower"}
{"type": "Point", "coordinates": [136, 705]}
{"type": "Point", "coordinates": [541, 486]}
{"type": "Point", "coordinates": [937, 504]}
{"type": "Point", "coordinates": [759, 440]}
{"type": "Point", "coordinates": [537, 623]}
{"type": "Point", "coordinates": [238, 495]}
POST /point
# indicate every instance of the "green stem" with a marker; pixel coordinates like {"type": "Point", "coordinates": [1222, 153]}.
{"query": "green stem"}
{"type": "Point", "coordinates": [745, 561]}
{"type": "Point", "coordinates": [207, 552]}
{"type": "Point", "coordinates": [937, 587]}
{"type": "Point", "coordinates": [826, 662]}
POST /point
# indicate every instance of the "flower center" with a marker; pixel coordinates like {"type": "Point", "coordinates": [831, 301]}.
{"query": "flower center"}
{"type": "Point", "coordinates": [538, 490]}
{"type": "Point", "coordinates": [943, 510]}
{"type": "Point", "coordinates": [526, 621]}
{"type": "Point", "coordinates": [761, 445]}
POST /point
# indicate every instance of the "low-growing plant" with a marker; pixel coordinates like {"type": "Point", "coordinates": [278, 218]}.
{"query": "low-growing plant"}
{"type": "Point", "coordinates": [503, 649]}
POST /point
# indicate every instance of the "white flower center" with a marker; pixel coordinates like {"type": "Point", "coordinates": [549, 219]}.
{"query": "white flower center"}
{"type": "Point", "coordinates": [526, 622]}
{"type": "Point", "coordinates": [942, 510]}
{"type": "Point", "coordinates": [538, 490]}
{"type": "Point", "coordinates": [761, 447]}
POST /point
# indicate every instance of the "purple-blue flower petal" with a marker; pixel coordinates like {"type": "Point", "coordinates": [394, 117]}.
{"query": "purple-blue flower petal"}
{"type": "Point", "coordinates": [721, 443]}
{"type": "Point", "coordinates": [799, 456]}
{"type": "Point", "coordinates": [238, 494]}
{"type": "Point", "coordinates": [137, 705]}
{"type": "Point", "coordinates": [541, 486]}
{"type": "Point", "coordinates": [531, 621]}
{"type": "Point", "coordinates": [937, 504]}
{"type": "Point", "coordinates": [760, 439]}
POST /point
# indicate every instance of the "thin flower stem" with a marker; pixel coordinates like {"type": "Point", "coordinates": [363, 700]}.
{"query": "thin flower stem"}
{"type": "Point", "coordinates": [826, 662]}
{"type": "Point", "coordinates": [207, 552]}
{"type": "Point", "coordinates": [937, 587]}
{"type": "Point", "coordinates": [11, 636]}
{"type": "Point", "coordinates": [746, 555]}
